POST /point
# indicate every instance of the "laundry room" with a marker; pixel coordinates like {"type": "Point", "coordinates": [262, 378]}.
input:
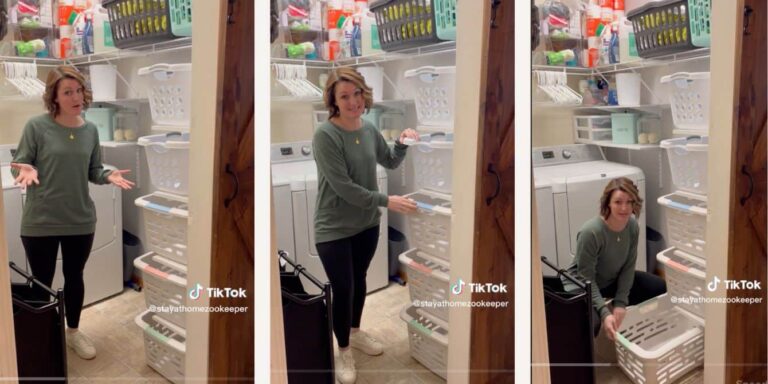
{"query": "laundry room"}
{"type": "Point", "coordinates": [109, 233]}
{"type": "Point", "coordinates": [368, 116]}
{"type": "Point", "coordinates": [629, 108]}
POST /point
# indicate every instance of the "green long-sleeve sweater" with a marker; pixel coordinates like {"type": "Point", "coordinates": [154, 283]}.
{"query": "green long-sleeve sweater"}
{"type": "Point", "coordinates": [348, 197]}
{"type": "Point", "coordinates": [604, 257]}
{"type": "Point", "coordinates": [66, 160]}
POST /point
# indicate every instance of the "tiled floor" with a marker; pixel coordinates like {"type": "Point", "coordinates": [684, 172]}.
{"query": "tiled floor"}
{"type": "Point", "coordinates": [119, 343]}
{"type": "Point", "coordinates": [381, 318]}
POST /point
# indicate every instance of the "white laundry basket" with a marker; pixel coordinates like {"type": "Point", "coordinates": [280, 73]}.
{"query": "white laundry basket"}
{"type": "Point", "coordinates": [165, 285]}
{"type": "Point", "coordinates": [686, 221]}
{"type": "Point", "coordinates": [165, 223]}
{"type": "Point", "coordinates": [165, 345]}
{"type": "Point", "coordinates": [685, 275]}
{"type": "Point", "coordinates": [688, 162]}
{"type": "Point", "coordinates": [429, 228]}
{"type": "Point", "coordinates": [428, 338]}
{"type": "Point", "coordinates": [689, 100]}
{"type": "Point", "coordinates": [658, 342]}
{"type": "Point", "coordinates": [169, 89]}
{"type": "Point", "coordinates": [168, 159]}
{"type": "Point", "coordinates": [432, 165]}
{"type": "Point", "coordinates": [433, 91]}
{"type": "Point", "coordinates": [428, 281]}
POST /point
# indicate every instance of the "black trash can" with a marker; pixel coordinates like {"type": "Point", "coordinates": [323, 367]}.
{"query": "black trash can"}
{"type": "Point", "coordinates": [131, 250]}
{"type": "Point", "coordinates": [654, 244]}
{"type": "Point", "coordinates": [38, 323]}
{"type": "Point", "coordinates": [397, 245]}
{"type": "Point", "coordinates": [307, 322]}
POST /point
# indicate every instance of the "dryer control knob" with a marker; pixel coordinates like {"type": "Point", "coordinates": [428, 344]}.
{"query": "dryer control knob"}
{"type": "Point", "coordinates": [567, 154]}
{"type": "Point", "coordinates": [306, 150]}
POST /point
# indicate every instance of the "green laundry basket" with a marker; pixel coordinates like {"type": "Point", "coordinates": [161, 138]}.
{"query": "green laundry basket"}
{"type": "Point", "coordinates": [700, 32]}
{"type": "Point", "coordinates": [181, 17]}
{"type": "Point", "coordinates": [445, 19]}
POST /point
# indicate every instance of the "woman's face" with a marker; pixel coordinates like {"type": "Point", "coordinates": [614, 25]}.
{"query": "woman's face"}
{"type": "Point", "coordinates": [621, 204]}
{"type": "Point", "coordinates": [349, 99]}
{"type": "Point", "coordinates": [70, 96]}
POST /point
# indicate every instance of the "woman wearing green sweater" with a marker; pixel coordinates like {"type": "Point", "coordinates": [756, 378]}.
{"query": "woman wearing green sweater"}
{"type": "Point", "coordinates": [606, 252]}
{"type": "Point", "coordinates": [59, 153]}
{"type": "Point", "coordinates": [347, 149]}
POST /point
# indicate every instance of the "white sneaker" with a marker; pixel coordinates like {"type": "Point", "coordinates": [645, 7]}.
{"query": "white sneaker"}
{"type": "Point", "coordinates": [81, 344]}
{"type": "Point", "coordinates": [345, 367]}
{"type": "Point", "coordinates": [364, 342]}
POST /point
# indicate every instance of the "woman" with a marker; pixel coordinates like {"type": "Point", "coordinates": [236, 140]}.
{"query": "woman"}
{"type": "Point", "coordinates": [59, 153]}
{"type": "Point", "coordinates": [606, 251]}
{"type": "Point", "coordinates": [347, 150]}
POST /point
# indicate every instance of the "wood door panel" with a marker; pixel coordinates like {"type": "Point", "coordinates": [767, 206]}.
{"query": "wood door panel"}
{"type": "Point", "coordinates": [492, 330]}
{"type": "Point", "coordinates": [231, 335]}
{"type": "Point", "coordinates": [746, 323]}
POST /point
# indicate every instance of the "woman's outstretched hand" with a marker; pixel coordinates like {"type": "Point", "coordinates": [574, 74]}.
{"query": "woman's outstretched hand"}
{"type": "Point", "coordinates": [408, 133]}
{"type": "Point", "coordinates": [116, 178]}
{"type": "Point", "coordinates": [401, 204]}
{"type": "Point", "coordinates": [27, 174]}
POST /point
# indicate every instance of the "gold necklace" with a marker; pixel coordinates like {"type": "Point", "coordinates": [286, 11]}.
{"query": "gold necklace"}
{"type": "Point", "coordinates": [71, 136]}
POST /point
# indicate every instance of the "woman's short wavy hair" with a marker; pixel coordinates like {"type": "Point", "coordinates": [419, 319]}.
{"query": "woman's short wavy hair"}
{"type": "Point", "coordinates": [620, 184]}
{"type": "Point", "coordinates": [352, 76]}
{"type": "Point", "coordinates": [52, 87]}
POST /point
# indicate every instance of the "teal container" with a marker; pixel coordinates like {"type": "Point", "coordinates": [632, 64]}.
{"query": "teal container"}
{"type": "Point", "coordinates": [699, 11]}
{"type": "Point", "coordinates": [373, 116]}
{"type": "Point", "coordinates": [104, 119]}
{"type": "Point", "coordinates": [445, 19]}
{"type": "Point", "coordinates": [624, 128]}
{"type": "Point", "coordinates": [181, 17]}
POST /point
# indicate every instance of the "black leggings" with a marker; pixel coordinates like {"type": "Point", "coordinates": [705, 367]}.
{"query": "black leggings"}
{"type": "Point", "coordinates": [346, 264]}
{"type": "Point", "coordinates": [41, 255]}
{"type": "Point", "coordinates": [645, 287]}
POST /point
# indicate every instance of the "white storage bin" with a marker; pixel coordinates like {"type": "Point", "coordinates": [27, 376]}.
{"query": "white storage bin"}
{"type": "Point", "coordinates": [169, 89]}
{"type": "Point", "coordinates": [429, 228]}
{"type": "Point", "coordinates": [168, 160]}
{"type": "Point", "coordinates": [588, 129]}
{"type": "Point", "coordinates": [165, 285]}
{"type": "Point", "coordinates": [165, 223]}
{"type": "Point", "coordinates": [433, 91]}
{"type": "Point", "coordinates": [685, 276]}
{"type": "Point", "coordinates": [688, 162]}
{"type": "Point", "coordinates": [165, 345]}
{"type": "Point", "coordinates": [428, 338]}
{"type": "Point", "coordinates": [658, 342]}
{"type": "Point", "coordinates": [432, 165]}
{"type": "Point", "coordinates": [686, 221]}
{"type": "Point", "coordinates": [428, 280]}
{"type": "Point", "coordinates": [689, 99]}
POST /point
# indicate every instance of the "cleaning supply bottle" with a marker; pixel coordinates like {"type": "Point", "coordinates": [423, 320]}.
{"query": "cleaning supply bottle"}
{"type": "Point", "coordinates": [357, 39]}
{"type": "Point", "coordinates": [88, 47]}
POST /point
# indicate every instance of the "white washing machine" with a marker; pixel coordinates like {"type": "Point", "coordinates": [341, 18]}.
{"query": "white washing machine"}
{"type": "Point", "coordinates": [103, 274]}
{"type": "Point", "coordinates": [294, 194]}
{"type": "Point", "coordinates": [569, 181]}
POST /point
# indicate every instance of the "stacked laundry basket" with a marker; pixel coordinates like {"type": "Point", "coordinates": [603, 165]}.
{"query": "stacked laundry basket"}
{"type": "Point", "coordinates": [663, 339]}
{"type": "Point", "coordinates": [165, 212]}
{"type": "Point", "coordinates": [429, 229]}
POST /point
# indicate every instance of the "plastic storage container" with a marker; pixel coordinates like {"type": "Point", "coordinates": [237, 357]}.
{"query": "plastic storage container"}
{"type": "Point", "coordinates": [670, 26]}
{"type": "Point", "coordinates": [165, 345]}
{"type": "Point", "coordinates": [689, 100]}
{"type": "Point", "coordinates": [688, 162]}
{"type": "Point", "coordinates": [685, 276]}
{"type": "Point", "coordinates": [686, 221]}
{"type": "Point", "coordinates": [588, 129]}
{"type": "Point", "coordinates": [429, 229]}
{"type": "Point", "coordinates": [103, 118]}
{"type": "Point", "coordinates": [658, 342]}
{"type": "Point", "coordinates": [428, 338]}
{"type": "Point", "coordinates": [168, 159]}
{"type": "Point", "coordinates": [624, 128]}
{"type": "Point", "coordinates": [428, 281]}
{"type": "Point", "coordinates": [169, 89]}
{"type": "Point", "coordinates": [136, 23]}
{"type": "Point", "coordinates": [432, 163]}
{"type": "Point", "coordinates": [165, 285]}
{"type": "Point", "coordinates": [165, 222]}
{"type": "Point", "coordinates": [433, 90]}
{"type": "Point", "coordinates": [404, 23]}
{"type": "Point", "coordinates": [445, 19]}
{"type": "Point", "coordinates": [126, 125]}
